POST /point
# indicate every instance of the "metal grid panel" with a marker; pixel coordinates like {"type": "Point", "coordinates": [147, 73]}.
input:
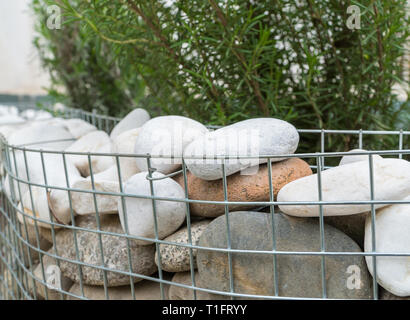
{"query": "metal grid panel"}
{"type": "Point", "coordinates": [15, 248]}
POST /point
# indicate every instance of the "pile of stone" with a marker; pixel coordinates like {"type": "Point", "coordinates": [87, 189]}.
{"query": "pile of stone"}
{"type": "Point", "coordinates": [103, 186]}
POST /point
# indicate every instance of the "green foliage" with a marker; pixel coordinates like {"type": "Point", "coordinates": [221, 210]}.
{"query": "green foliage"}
{"type": "Point", "coordinates": [221, 61]}
{"type": "Point", "coordinates": [85, 67]}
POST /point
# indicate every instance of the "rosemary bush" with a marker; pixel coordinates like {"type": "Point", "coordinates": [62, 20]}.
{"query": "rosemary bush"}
{"type": "Point", "coordinates": [221, 61]}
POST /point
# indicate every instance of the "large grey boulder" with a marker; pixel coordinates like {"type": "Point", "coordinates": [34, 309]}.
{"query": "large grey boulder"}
{"type": "Point", "coordinates": [298, 275]}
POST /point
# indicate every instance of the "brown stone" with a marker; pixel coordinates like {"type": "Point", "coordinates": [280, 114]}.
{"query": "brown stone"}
{"type": "Point", "coordinates": [241, 187]}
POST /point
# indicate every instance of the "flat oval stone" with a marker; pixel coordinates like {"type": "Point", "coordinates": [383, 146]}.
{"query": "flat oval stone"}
{"type": "Point", "coordinates": [115, 253]}
{"type": "Point", "coordinates": [392, 236]}
{"type": "Point", "coordinates": [242, 188]}
{"type": "Point", "coordinates": [166, 136]}
{"type": "Point", "coordinates": [175, 258]}
{"type": "Point", "coordinates": [355, 158]}
{"type": "Point", "coordinates": [42, 136]}
{"type": "Point", "coordinates": [350, 182]}
{"type": "Point", "coordinates": [139, 211]}
{"type": "Point", "coordinates": [135, 119]}
{"type": "Point", "coordinates": [78, 127]}
{"type": "Point", "coordinates": [298, 275]}
{"type": "Point", "coordinates": [93, 142]}
{"type": "Point", "coordinates": [253, 137]}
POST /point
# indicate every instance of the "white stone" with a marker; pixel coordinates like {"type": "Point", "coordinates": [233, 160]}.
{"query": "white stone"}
{"type": "Point", "coordinates": [52, 199]}
{"type": "Point", "coordinates": [36, 114]}
{"type": "Point", "coordinates": [7, 130]}
{"type": "Point", "coordinates": [392, 236]}
{"type": "Point", "coordinates": [253, 137]}
{"type": "Point", "coordinates": [355, 158]}
{"type": "Point", "coordinates": [78, 127]}
{"type": "Point", "coordinates": [350, 182]}
{"type": "Point", "coordinates": [166, 136]}
{"type": "Point", "coordinates": [134, 119]}
{"type": "Point", "coordinates": [11, 119]}
{"type": "Point", "coordinates": [139, 211]}
{"type": "Point", "coordinates": [94, 142]}
{"type": "Point", "coordinates": [125, 144]}
{"type": "Point", "coordinates": [41, 135]}
{"type": "Point", "coordinates": [106, 181]}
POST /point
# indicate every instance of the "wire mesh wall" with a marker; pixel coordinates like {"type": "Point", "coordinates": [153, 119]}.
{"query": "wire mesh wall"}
{"type": "Point", "coordinates": [43, 257]}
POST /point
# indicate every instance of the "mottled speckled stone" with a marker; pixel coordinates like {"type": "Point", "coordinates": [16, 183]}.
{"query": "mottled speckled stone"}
{"type": "Point", "coordinates": [115, 252]}
{"type": "Point", "coordinates": [175, 258]}
{"type": "Point", "coordinates": [298, 275]}
{"type": "Point", "coordinates": [242, 188]}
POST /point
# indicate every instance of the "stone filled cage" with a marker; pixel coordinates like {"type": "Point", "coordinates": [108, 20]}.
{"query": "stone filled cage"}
{"type": "Point", "coordinates": [21, 234]}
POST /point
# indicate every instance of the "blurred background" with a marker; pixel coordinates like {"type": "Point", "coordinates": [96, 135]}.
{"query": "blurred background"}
{"type": "Point", "coordinates": [21, 74]}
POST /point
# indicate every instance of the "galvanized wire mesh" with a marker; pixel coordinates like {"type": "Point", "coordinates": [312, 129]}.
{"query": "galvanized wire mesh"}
{"type": "Point", "coordinates": [17, 279]}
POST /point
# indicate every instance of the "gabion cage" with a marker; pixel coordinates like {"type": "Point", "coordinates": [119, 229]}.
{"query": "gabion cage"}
{"type": "Point", "coordinates": [19, 255]}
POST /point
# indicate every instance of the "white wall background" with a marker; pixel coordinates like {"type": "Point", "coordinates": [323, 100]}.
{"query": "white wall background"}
{"type": "Point", "coordinates": [20, 71]}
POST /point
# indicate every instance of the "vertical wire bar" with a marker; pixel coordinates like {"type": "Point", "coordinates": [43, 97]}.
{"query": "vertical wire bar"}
{"type": "Point", "coordinates": [228, 231]}
{"type": "Point", "coordinates": [322, 147]}
{"type": "Point", "coordinates": [401, 143]}
{"type": "Point", "coordinates": [188, 221]}
{"type": "Point", "coordinates": [77, 252]}
{"type": "Point", "coordinates": [35, 221]}
{"type": "Point", "coordinates": [154, 211]}
{"type": "Point", "coordinates": [52, 222]}
{"type": "Point", "coordinates": [97, 217]}
{"type": "Point", "coordinates": [272, 212]}
{"type": "Point", "coordinates": [373, 213]}
{"type": "Point", "coordinates": [322, 226]}
{"type": "Point", "coordinates": [361, 139]}
{"type": "Point", "coordinates": [125, 219]}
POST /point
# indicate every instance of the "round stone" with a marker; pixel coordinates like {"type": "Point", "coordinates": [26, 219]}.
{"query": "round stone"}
{"type": "Point", "coordinates": [176, 258]}
{"type": "Point", "coordinates": [253, 138]}
{"type": "Point", "coordinates": [297, 275]}
{"type": "Point", "coordinates": [350, 182]}
{"type": "Point", "coordinates": [135, 119]}
{"type": "Point", "coordinates": [242, 188]}
{"type": "Point", "coordinates": [166, 136]}
{"type": "Point", "coordinates": [139, 213]}
{"type": "Point", "coordinates": [355, 158]}
{"type": "Point", "coordinates": [392, 235]}
{"type": "Point", "coordinates": [114, 250]}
